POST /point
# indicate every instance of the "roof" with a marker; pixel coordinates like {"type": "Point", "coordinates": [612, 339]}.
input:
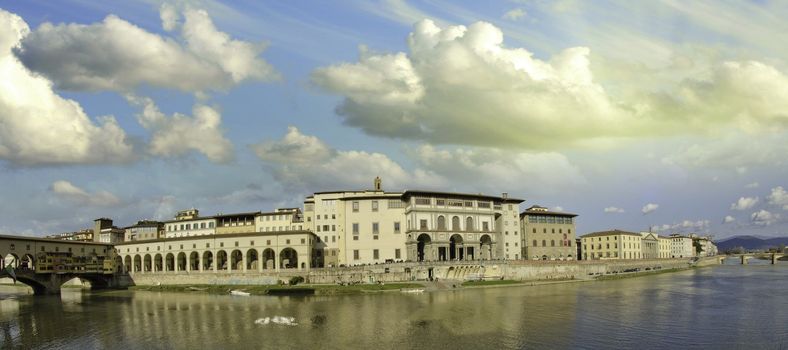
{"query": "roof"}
{"type": "Point", "coordinates": [409, 193]}
{"type": "Point", "coordinates": [146, 223]}
{"type": "Point", "coordinates": [254, 213]}
{"type": "Point", "coordinates": [537, 210]}
{"type": "Point", "coordinates": [615, 232]}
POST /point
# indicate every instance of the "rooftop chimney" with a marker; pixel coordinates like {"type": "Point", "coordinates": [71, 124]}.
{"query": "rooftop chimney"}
{"type": "Point", "coordinates": [378, 184]}
{"type": "Point", "coordinates": [505, 195]}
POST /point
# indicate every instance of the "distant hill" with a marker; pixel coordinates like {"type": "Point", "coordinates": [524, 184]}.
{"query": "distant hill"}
{"type": "Point", "coordinates": [751, 243]}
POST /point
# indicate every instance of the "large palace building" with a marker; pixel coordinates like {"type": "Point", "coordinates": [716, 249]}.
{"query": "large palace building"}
{"type": "Point", "coordinates": [345, 228]}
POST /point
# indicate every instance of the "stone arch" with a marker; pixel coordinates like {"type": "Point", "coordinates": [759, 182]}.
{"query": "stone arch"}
{"type": "Point", "coordinates": [158, 263]}
{"type": "Point", "coordinates": [207, 261]}
{"type": "Point", "coordinates": [169, 263]}
{"type": "Point", "coordinates": [147, 263]}
{"type": "Point", "coordinates": [269, 258]}
{"type": "Point", "coordinates": [11, 259]}
{"type": "Point", "coordinates": [236, 260]}
{"type": "Point", "coordinates": [441, 223]}
{"type": "Point", "coordinates": [221, 260]}
{"type": "Point", "coordinates": [422, 246]}
{"type": "Point", "coordinates": [119, 265]}
{"type": "Point", "coordinates": [288, 258]}
{"type": "Point", "coordinates": [469, 224]}
{"type": "Point", "coordinates": [455, 223]}
{"type": "Point", "coordinates": [456, 247]}
{"type": "Point", "coordinates": [181, 262]}
{"type": "Point", "coordinates": [194, 261]}
{"type": "Point", "coordinates": [252, 261]}
{"type": "Point", "coordinates": [28, 262]}
{"type": "Point", "coordinates": [127, 266]}
{"type": "Point", "coordinates": [137, 263]}
{"type": "Point", "coordinates": [485, 243]}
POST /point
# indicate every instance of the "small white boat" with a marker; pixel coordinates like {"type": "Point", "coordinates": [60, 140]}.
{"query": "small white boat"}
{"type": "Point", "coordinates": [239, 293]}
{"type": "Point", "coordinates": [412, 290]}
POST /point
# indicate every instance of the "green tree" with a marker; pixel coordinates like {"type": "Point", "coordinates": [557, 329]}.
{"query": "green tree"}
{"type": "Point", "coordinates": [698, 246]}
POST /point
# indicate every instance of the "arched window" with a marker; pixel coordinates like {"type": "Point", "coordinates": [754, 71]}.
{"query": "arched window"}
{"type": "Point", "coordinates": [455, 223]}
{"type": "Point", "coordinates": [441, 223]}
{"type": "Point", "coordinates": [536, 244]}
{"type": "Point", "coordinates": [469, 224]}
{"type": "Point", "coordinates": [552, 243]}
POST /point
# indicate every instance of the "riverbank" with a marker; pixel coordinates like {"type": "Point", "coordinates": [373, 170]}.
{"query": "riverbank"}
{"type": "Point", "coordinates": [306, 289]}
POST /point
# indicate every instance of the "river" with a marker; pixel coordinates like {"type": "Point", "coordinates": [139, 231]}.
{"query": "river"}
{"type": "Point", "coordinates": [729, 306]}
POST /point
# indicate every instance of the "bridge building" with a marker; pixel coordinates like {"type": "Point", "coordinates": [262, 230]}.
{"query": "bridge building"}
{"type": "Point", "coordinates": [45, 264]}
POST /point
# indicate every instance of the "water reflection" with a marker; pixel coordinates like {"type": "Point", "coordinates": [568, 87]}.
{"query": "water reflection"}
{"type": "Point", "coordinates": [712, 307]}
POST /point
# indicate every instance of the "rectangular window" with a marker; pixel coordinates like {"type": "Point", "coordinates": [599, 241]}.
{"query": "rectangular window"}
{"type": "Point", "coordinates": [325, 227]}
{"type": "Point", "coordinates": [355, 207]}
{"type": "Point", "coordinates": [375, 254]}
{"type": "Point", "coordinates": [396, 227]}
{"type": "Point", "coordinates": [440, 202]}
{"type": "Point", "coordinates": [303, 241]}
{"type": "Point", "coordinates": [355, 238]}
{"type": "Point", "coordinates": [423, 224]}
{"type": "Point", "coordinates": [396, 254]}
{"type": "Point", "coordinates": [375, 229]}
{"type": "Point", "coordinates": [333, 239]}
{"type": "Point", "coordinates": [355, 228]}
{"type": "Point", "coordinates": [333, 216]}
{"type": "Point", "coordinates": [355, 254]}
{"type": "Point", "coordinates": [374, 205]}
{"type": "Point", "coordinates": [396, 204]}
{"type": "Point", "coordinates": [483, 205]}
{"type": "Point", "coordinates": [468, 204]}
{"type": "Point", "coordinates": [423, 201]}
{"type": "Point", "coordinates": [210, 225]}
{"type": "Point", "coordinates": [485, 226]}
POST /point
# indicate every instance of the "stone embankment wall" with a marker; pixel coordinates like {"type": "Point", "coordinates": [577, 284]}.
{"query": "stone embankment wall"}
{"type": "Point", "coordinates": [402, 272]}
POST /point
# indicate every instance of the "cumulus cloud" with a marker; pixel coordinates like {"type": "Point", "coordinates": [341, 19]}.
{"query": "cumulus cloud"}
{"type": "Point", "coordinates": [306, 163]}
{"type": "Point", "coordinates": [39, 127]}
{"type": "Point", "coordinates": [462, 85]}
{"type": "Point", "coordinates": [179, 134]}
{"type": "Point", "coordinates": [117, 55]}
{"type": "Point", "coordinates": [614, 210]}
{"type": "Point", "coordinates": [728, 219]}
{"type": "Point", "coordinates": [685, 226]}
{"type": "Point", "coordinates": [500, 168]}
{"type": "Point", "coordinates": [764, 218]}
{"type": "Point", "coordinates": [778, 197]}
{"type": "Point", "coordinates": [745, 203]}
{"type": "Point", "coordinates": [514, 14]}
{"type": "Point", "coordinates": [75, 195]}
{"type": "Point", "coordinates": [648, 208]}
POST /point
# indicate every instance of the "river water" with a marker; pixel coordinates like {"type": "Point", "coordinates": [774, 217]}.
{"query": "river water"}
{"type": "Point", "coordinates": [728, 307]}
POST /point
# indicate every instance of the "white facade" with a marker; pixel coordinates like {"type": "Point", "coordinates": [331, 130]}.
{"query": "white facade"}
{"type": "Point", "coordinates": [199, 226]}
{"type": "Point", "coordinates": [681, 247]}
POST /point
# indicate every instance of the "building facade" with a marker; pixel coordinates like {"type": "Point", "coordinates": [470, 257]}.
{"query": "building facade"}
{"type": "Point", "coordinates": [681, 246]}
{"type": "Point", "coordinates": [547, 235]}
{"type": "Point", "coordinates": [615, 244]}
{"type": "Point", "coordinates": [144, 230]}
{"type": "Point", "coordinates": [649, 243]}
{"type": "Point", "coordinates": [189, 223]}
{"type": "Point", "coordinates": [664, 247]}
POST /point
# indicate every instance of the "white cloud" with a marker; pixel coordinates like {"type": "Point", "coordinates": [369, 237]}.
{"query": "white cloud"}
{"type": "Point", "coordinates": [179, 134]}
{"type": "Point", "coordinates": [39, 127]}
{"type": "Point", "coordinates": [456, 81]}
{"type": "Point", "coordinates": [648, 208]}
{"type": "Point", "coordinates": [778, 197]}
{"type": "Point", "coordinates": [685, 226]}
{"type": "Point", "coordinates": [117, 55]}
{"type": "Point", "coordinates": [745, 203]}
{"type": "Point", "coordinates": [304, 162]}
{"type": "Point", "coordinates": [532, 172]}
{"type": "Point", "coordinates": [75, 195]}
{"type": "Point", "coordinates": [752, 185]}
{"type": "Point", "coordinates": [614, 210]}
{"type": "Point", "coordinates": [558, 208]}
{"type": "Point", "coordinates": [514, 14]}
{"type": "Point", "coordinates": [764, 218]}
{"type": "Point", "coordinates": [728, 219]}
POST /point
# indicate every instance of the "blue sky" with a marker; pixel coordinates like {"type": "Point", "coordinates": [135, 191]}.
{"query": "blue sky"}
{"type": "Point", "coordinates": [668, 115]}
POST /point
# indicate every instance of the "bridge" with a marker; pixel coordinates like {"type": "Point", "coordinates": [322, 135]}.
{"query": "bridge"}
{"type": "Point", "coordinates": [774, 257]}
{"type": "Point", "coordinates": [45, 264]}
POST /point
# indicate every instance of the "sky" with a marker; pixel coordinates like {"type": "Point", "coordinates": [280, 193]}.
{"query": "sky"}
{"type": "Point", "coordinates": [669, 116]}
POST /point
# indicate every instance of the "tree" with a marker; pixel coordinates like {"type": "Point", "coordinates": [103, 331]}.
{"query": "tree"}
{"type": "Point", "coordinates": [698, 246]}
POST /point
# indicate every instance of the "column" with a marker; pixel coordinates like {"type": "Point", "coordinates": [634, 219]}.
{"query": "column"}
{"type": "Point", "coordinates": [215, 262]}
{"type": "Point", "coordinates": [243, 262]}
{"type": "Point", "coordinates": [260, 261]}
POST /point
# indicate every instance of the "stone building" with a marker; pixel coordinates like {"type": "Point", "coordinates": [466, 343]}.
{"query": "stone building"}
{"type": "Point", "coordinates": [614, 244]}
{"type": "Point", "coordinates": [144, 230]}
{"type": "Point", "coordinates": [649, 243]}
{"type": "Point", "coordinates": [547, 235]}
{"type": "Point", "coordinates": [681, 246]}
